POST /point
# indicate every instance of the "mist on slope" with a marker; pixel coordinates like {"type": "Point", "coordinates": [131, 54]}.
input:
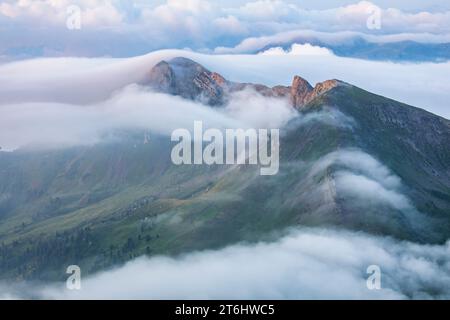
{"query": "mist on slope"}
{"type": "Point", "coordinates": [56, 124]}
{"type": "Point", "coordinates": [304, 264]}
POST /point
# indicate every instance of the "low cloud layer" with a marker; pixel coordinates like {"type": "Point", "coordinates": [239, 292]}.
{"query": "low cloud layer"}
{"type": "Point", "coordinates": [306, 264]}
{"type": "Point", "coordinates": [256, 44]}
{"type": "Point", "coordinates": [75, 99]}
{"type": "Point", "coordinates": [51, 98]}
{"type": "Point", "coordinates": [60, 125]}
{"type": "Point", "coordinates": [51, 125]}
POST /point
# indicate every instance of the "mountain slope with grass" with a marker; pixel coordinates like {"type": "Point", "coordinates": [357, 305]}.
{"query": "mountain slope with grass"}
{"type": "Point", "coordinates": [349, 159]}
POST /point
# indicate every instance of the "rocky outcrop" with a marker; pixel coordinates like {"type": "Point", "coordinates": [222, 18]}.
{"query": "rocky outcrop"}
{"type": "Point", "coordinates": [190, 80]}
{"type": "Point", "coordinates": [162, 78]}
{"type": "Point", "coordinates": [325, 86]}
{"type": "Point", "coordinates": [300, 91]}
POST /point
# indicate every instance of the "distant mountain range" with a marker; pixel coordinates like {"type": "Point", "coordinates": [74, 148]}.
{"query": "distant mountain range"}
{"type": "Point", "coordinates": [353, 46]}
{"type": "Point", "coordinates": [350, 159]}
{"type": "Point", "coordinates": [357, 46]}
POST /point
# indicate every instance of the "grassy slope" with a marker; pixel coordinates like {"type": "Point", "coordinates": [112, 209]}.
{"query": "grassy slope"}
{"type": "Point", "coordinates": [103, 205]}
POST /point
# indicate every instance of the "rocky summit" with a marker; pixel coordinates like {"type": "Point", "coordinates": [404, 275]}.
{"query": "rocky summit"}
{"type": "Point", "coordinates": [190, 80]}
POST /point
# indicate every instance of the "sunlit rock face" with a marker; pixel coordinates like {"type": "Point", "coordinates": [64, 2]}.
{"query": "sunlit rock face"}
{"type": "Point", "coordinates": [300, 91]}
{"type": "Point", "coordinates": [190, 80]}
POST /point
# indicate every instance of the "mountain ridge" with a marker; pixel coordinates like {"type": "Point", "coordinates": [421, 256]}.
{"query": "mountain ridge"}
{"type": "Point", "coordinates": [186, 78]}
{"type": "Point", "coordinates": [105, 204]}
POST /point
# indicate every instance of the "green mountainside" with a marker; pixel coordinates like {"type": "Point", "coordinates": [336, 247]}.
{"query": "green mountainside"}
{"type": "Point", "coordinates": [102, 205]}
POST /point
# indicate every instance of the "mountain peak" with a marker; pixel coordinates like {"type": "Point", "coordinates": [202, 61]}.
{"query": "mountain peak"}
{"type": "Point", "coordinates": [299, 81]}
{"type": "Point", "coordinates": [161, 77]}
{"type": "Point", "coordinates": [186, 78]}
{"type": "Point", "coordinates": [300, 91]}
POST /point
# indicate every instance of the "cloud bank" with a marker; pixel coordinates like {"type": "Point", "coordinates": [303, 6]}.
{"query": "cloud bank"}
{"type": "Point", "coordinates": [298, 50]}
{"type": "Point", "coordinates": [361, 176]}
{"type": "Point", "coordinates": [62, 125]}
{"type": "Point", "coordinates": [65, 102]}
{"type": "Point", "coordinates": [310, 264]}
{"type": "Point", "coordinates": [74, 100]}
{"type": "Point", "coordinates": [255, 44]}
{"type": "Point", "coordinates": [119, 28]}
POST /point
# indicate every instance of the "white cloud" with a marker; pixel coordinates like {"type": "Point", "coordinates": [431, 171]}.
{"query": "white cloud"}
{"type": "Point", "coordinates": [60, 125]}
{"type": "Point", "coordinates": [361, 163]}
{"type": "Point", "coordinates": [298, 50]}
{"type": "Point", "coordinates": [268, 10]}
{"type": "Point", "coordinates": [366, 188]}
{"type": "Point", "coordinates": [230, 24]}
{"type": "Point", "coordinates": [259, 112]}
{"type": "Point", "coordinates": [51, 125]}
{"type": "Point", "coordinates": [94, 13]}
{"type": "Point", "coordinates": [310, 264]}
{"type": "Point", "coordinates": [348, 17]}
{"type": "Point", "coordinates": [185, 17]}
{"type": "Point", "coordinates": [88, 91]}
{"type": "Point", "coordinates": [367, 192]}
{"type": "Point", "coordinates": [63, 102]}
{"type": "Point", "coordinates": [254, 44]}
{"type": "Point", "coordinates": [360, 176]}
{"type": "Point", "coordinates": [197, 24]}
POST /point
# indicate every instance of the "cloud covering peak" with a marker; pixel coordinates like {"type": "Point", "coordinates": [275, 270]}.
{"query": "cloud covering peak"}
{"type": "Point", "coordinates": [93, 94]}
